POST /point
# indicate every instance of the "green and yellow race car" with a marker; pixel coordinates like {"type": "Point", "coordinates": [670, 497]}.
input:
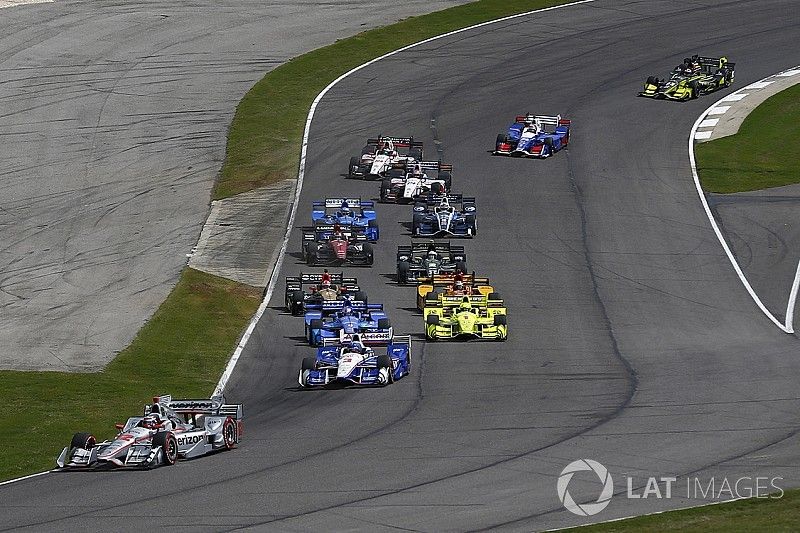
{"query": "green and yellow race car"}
{"type": "Point", "coordinates": [695, 76]}
{"type": "Point", "coordinates": [469, 316]}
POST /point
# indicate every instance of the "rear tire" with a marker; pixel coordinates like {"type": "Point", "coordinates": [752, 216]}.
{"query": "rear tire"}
{"type": "Point", "coordinates": [495, 296]}
{"type": "Point", "coordinates": [315, 323]}
{"type": "Point", "coordinates": [384, 323]}
{"type": "Point", "coordinates": [296, 299]}
{"type": "Point", "coordinates": [403, 268]}
{"type": "Point", "coordinates": [354, 164]}
{"type": "Point", "coordinates": [461, 266]}
{"type": "Point", "coordinates": [361, 296]}
{"type": "Point", "coordinates": [370, 254]}
{"type": "Point", "coordinates": [386, 187]}
{"type": "Point", "coordinates": [230, 434]}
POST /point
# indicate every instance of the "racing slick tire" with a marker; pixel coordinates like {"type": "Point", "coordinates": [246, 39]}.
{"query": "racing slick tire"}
{"type": "Point", "coordinates": [695, 89]}
{"type": "Point", "coordinates": [415, 154]}
{"type": "Point", "coordinates": [230, 434]}
{"type": "Point", "coordinates": [461, 266]}
{"type": "Point", "coordinates": [361, 296]}
{"type": "Point", "coordinates": [369, 253]}
{"type": "Point", "coordinates": [403, 268]}
{"type": "Point", "coordinates": [354, 164]}
{"type": "Point", "coordinates": [296, 299]}
{"type": "Point", "coordinates": [314, 324]}
{"type": "Point", "coordinates": [309, 363]}
{"type": "Point", "coordinates": [169, 447]}
{"type": "Point", "coordinates": [386, 187]}
{"type": "Point", "coordinates": [384, 361]}
{"type": "Point", "coordinates": [437, 188]}
{"type": "Point", "coordinates": [83, 441]}
{"type": "Point", "coordinates": [651, 80]}
{"type": "Point", "coordinates": [447, 178]}
{"type": "Point", "coordinates": [495, 296]}
{"type": "Point", "coordinates": [311, 259]}
{"type": "Point", "coordinates": [384, 323]}
{"type": "Point", "coordinates": [432, 320]}
{"type": "Point", "coordinates": [499, 320]}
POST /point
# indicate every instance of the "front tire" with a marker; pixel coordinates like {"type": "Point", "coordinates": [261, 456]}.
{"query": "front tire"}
{"type": "Point", "coordinates": [169, 447]}
{"type": "Point", "coordinates": [83, 441]}
{"type": "Point", "coordinates": [384, 361]}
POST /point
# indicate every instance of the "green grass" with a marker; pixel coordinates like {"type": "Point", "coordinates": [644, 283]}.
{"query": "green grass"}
{"type": "Point", "coordinates": [764, 153]}
{"type": "Point", "coordinates": [265, 136]}
{"type": "Point", "coordinates": [745, 516]}
{"type": "Point", "coordinates": [181, 351]}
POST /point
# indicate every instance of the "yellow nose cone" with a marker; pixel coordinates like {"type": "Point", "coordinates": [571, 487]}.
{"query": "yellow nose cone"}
{"type": "Point", "coordinates": [466, 321]}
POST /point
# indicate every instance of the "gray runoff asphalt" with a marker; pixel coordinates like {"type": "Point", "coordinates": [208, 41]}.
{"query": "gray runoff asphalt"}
{"type": "Point", "coordinates": [114, 117]}
{"type": "Point", "coordinates": [632, 341]}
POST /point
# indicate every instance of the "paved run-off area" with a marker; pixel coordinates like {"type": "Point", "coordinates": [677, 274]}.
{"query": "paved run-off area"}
{"type": "Point", "coordinates": [113, 123]}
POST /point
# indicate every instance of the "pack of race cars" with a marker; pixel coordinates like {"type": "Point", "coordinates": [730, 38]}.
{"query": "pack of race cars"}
{"type": "Point", "coordinates": [353, 339]}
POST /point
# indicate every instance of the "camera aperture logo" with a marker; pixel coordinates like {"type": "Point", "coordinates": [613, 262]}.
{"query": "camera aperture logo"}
{"type": "Point", "coordinates": [585, 509]}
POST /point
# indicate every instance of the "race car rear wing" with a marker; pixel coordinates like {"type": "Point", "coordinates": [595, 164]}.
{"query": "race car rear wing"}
{"type": "Point", "coordinates": [399, 142]}
{"type": "Point", "coordinates": [711, 64]}
{"type": "Point", "coordinates": [429, 165]}
{"type": "Point", "coordinates": [438, 246]}
{"type": "Point", "coordinates": [323, 232]}
{"type": "Point", "coordinates": [295, 283]}
{"type": "Point", "coordinates": [435, 199]}
{"type": "Point", "coordinates": [214, 406]}
{"type": "Point", "coordinates": [338, 203]}
{"type": "Point", "coordinates": [366, 337]}
{"type": "Point", "coordinates": [355, 305]}
{"type": "Point", "coordinates": [440, 280]}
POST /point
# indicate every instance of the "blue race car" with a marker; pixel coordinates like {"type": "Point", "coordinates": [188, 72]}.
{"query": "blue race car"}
{"type": "Point", "coordinates": [445, 215]}
{"type": "Point", "coordinates": [342, 320]}
{"type": "Point", "coordinates": [534, 136]}
{"type": "Point", "coordinates": [347, 212]}
{"type": "Point", "coordinates": [354, 363]}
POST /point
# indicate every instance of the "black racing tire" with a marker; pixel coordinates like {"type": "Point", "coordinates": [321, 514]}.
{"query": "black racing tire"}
{"type": "Point", "coordinates": [230, 433]}
{"type": "Point", "coordinates": [437, 188]}
{"type": "Point", "coordinates": [384, 361]}
{"type": "Point", "coordinates": [370, 253]}
{"type": "Point", "coordinates": [495, 296]}
{"type": "Point", "coordinates": [447, 178]}
{"type": "Point", "coordinates": [432, 320]}
{"type": "Point", "coordinates": [415, 154]}
{"type": "Point", "coordinates": [314, 324]}
{"type": "Point", "coordinates": [548, 141]}
{"type": "Point", "coordinates": [499, 320]}
{"type": "Point", "coordinates": [461, 266]}
{"type": "Point", "coordinates": [309, 363]}
{"type": "Point", "coordinates": [361, 296]}
{"type": "Point", "coordinates": [354, 163]}
{"type": "Point", "coordinates": [372, 223]}
{"type": "Point", "coordinates": [403, 268]}
{"type": "Point", "coordinates": [384, 323]}
{"type": "Point", "coordinates": [311, 258]}
{"type": "Point", "coordinates": [83, 441]}
{"type": "Point", "coordinates": [296, 299]}
{"type": "Point", "coordinates": [169, 446]}
{"type": "Point", "coordinates": [501, 138]}
{"type": "Point", "coordinates": [386, 187]}
{"type": "Point", "coordinates": [695, 89]}
{"type": "Point", "coordinates": [652, 80]}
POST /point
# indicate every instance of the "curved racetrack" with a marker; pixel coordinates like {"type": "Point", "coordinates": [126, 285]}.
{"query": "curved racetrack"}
{"type": "Point", "coordinates": [632, 341]}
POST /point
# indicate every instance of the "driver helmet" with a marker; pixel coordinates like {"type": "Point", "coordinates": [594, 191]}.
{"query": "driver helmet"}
{"type": "Point", "coordinates": [151, 421]}
{"type": "Point", "coordinates": [347, 310]}
{"type": "Point", "coordinates": [417, 171]}
{"type": "Point", "coordinates": [529, 119]}
{"type": "Point", "coordinates": [345, 211]}
{"type": "Point", "coordinates": [432, 254]}
{"type": "Point", "coordinates": [458, 285]}
{"type": "Point", "coordinates": [358, 346]}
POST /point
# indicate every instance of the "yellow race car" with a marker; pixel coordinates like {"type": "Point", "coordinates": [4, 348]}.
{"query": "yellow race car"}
{"type": "Point", "coordinates": [477, 316]}
{"type": "Point", "coordinates": [430, 292]}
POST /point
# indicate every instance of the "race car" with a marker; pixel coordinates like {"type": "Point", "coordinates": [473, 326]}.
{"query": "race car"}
{"type": "Point", "coordinates": [534, 136]}
{"type": "Point", "coordinates": [355, 363]}
{"type": "Point", "coordinates": [461, 317]}
{"type": "Point", "coordinates": [430, 293]}
{"type": "Point", "coordinates": [445, 215]}
{"type": "Point", "coordinates": [347, 212]}
{"type": "Point", "coordinates": [695, 76]}
{"type": "Point", "coordinates": [406, 183]}
{"type": "Point", "coordinates": [168, 430]}
{"type": "Point", "coordinates": [333, 244]}
{"type": "Point", "coordinates": [342, 320]}
{"type": "Point", "coordinates": [324, 287]}
{"type": "Point", "coordinates": [381, 153]}
{"type": "Point", "coordinates": [420, 262]}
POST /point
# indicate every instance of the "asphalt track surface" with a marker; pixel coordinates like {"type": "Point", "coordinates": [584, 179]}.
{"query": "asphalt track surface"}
{"type": "Point", "coordinates": [114, 117]}
{"type": "Point", "coordinates": [632, 341]}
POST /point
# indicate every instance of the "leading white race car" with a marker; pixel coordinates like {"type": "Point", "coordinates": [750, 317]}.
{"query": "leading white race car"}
{"type": "Point", "coordinates": [167, 430]}
{"type": "Point", "coordinates": [379, 155]}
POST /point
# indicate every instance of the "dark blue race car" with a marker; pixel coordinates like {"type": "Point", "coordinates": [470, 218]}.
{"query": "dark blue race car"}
{"type": "Point", "coordinates": [355, 363]}
{"type": "Point", "coordinates": [445, 215]}
{"type": "Point", "coordinates": [534, 136]}
{"type": "Point", "coordinates": [342, 320]}
{"type": "Point", "coordinates": [347, 212]}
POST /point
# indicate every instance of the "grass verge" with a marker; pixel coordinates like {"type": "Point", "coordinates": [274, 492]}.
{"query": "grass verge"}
{"type": "Point", "coordinates": [763, 154]}
{"type": "Point", "coordinates": [267, 129]}
{"type": "Point", "coordinates": [745, 516]}
{"type": "Point", "coordinates": [180, 351]}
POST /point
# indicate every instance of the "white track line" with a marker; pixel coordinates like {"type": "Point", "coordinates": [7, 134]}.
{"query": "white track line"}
{"type": "Point", "coordinates": [788, 327]}
{"type": "Point", "coordinates": [301, 173]}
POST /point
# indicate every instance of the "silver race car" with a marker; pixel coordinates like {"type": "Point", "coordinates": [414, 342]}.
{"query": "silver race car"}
{"type": "Point", "coordinates": [168, 429]}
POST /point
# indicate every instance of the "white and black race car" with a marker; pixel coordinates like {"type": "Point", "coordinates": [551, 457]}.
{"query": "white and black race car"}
{"type": "Point", "coordinates": [405, 184]}
{"type": "Point", "coordinates": [379, 155]}
{"type": "Point", "coordinates": [168, 429]}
